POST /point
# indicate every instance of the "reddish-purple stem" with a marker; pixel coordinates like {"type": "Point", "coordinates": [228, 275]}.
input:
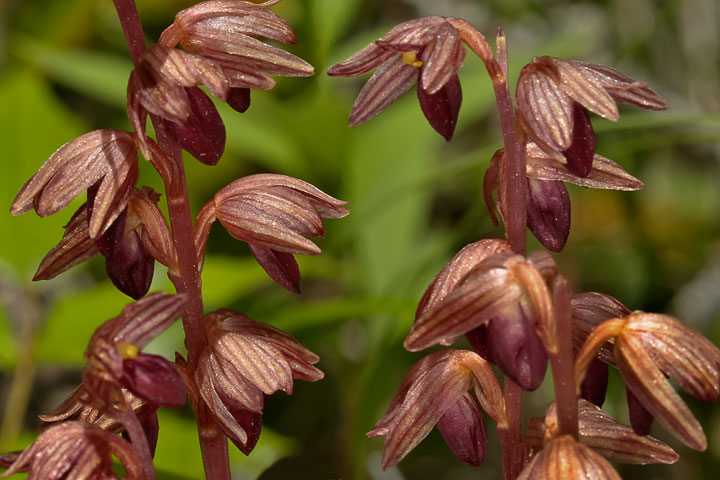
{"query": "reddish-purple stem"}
{"type": "Point", "coordinates": [515, 181]}
{"type": "Point", "coordinates": [511, 438]}
{"type": "Point", "coordinates": [515, 184]}
{"type": "Point", "coordinates": [213, 442]}
{"type": "Point", "coordinates": [562, 363]}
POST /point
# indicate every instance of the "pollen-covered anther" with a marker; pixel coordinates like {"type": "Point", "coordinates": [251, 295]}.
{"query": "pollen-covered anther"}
{"type": "Point", "coordinates": [410, 58]}
{"type": "Point", "coordinates": [127, 350]}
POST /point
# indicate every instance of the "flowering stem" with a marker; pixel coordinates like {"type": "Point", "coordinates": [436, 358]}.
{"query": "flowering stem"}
{"type": "Point", "coordinates": [132, 28]}
{"type": "Point", "coordinates": [561, 362]}
{"type": "Point", "coordinates": [515, 181]}
{"type": "Point", "coordinates": [515, 185]}
{"type": "Point", "coordinates": [213, 443]}
{"type": "Point", "coordinates": [511, 438]}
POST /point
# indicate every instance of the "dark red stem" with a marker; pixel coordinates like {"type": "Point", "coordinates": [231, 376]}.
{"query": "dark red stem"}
{"type": "Point", "coordinates": [562, 363]}
{"type": "Point", "coordinates": [213, 442]}
{"type": "Point", "coordinates": [511, 438]}
{"type": "Point", "coordinates": [514, 181]}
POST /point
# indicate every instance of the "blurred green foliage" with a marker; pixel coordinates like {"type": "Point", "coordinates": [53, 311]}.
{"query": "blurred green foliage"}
{"type": "Point", "coordinates": [415, 201]}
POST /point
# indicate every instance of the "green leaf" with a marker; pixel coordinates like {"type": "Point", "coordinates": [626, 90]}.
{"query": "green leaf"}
{"type": "Point", "coordinates": [99, 75]}
{"type": "Point", "coordinates": [34, 125]}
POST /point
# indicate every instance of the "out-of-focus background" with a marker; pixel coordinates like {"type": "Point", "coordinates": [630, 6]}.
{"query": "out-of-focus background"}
{"type": "Point", "coordinates": [416, 200]}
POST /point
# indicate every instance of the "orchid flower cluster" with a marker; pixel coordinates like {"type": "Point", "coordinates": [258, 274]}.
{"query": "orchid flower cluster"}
{"type": "Point", "coordinates": [516, 310]}
{"type": "Point", "coordinates": [233, 362]}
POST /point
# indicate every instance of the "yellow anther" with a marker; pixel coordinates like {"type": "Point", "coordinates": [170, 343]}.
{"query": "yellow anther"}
{"type": "Point", "coordinates": [411, 58]}
{"type": "Point", "coordinates": [127, 350]}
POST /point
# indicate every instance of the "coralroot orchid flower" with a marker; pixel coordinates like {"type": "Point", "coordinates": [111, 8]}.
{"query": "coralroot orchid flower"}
{"type": "Point", "coordinates": [244, 361]}
{"type": "Point", "coordinates": [75, 450]}
{"type": "Point", "coordinates": [435, 391]}
{"type": "Point", "coordinates": [103, 159]}
{"type": "Point", "coordinates": [271, 213]}
{"type": "Point", "coordinates": [548, 212]}
{"type": "Point", "coordinates": [483, 286]}
{"type": "Point", "coordinates": [220, 51]}
{"type": "Point", "coordinates": [427, 51]}
{"type": "Point", "coordinates": [114, 361]}
{"type": "Point", "coordinates": [649, 348]}
{"type": "Point", "coordinates": [564, 457]}
{"type": "Point", "coordinates": [137, 237]}
{"type": "Point", "coordinates": [597, 430]}
{"type": "Point", "coordinates": [552, 97]}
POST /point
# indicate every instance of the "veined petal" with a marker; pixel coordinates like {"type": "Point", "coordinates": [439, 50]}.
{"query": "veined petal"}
{"type": "Point", "coordinates": [483, 293]}
{"type": "Point", "coordinates": [75, 247]}
{"type": "Point", "coordinates": [145, 319]}
{"type": "Point", "coordinates": [412, 34]}
{"type": "Point", "coordinates": [106, 155]}
{"type": "Point", "coordinates": [682, 353]}
{"type": "Point", "coordinates": [623, 88]}
{"type": "Point", "coordinates": [387, 84]}
{"type": "Point", "coordinates": [544, 109]}
{"type": "Point", "coordinates": [564, 458]}
{"type": "Point", "coordinates": [451, 274]}
{"type": "Point", "coordinates": [589, 310]}
{"type": "Point", "coordinates": [363, 61]}
{"type": "Point", "coordinates": [605, 174]}
{"type": "Point", "coordinates": [424, 403]}
{"type": "Point", "coordinates": [583, 87]}
{"type": "Point", "coordinates": [441, 59]}
{"type": "Point", "coordinates": [650, 386]}
{"type": "Point", "coordinates": [263, 23]}
{"type": "Point", "coordinates": [260, 363]}
{"type": "Point", "coordinates": [185, 69]}
{"type": "Point", "coordinates": [271, 60]}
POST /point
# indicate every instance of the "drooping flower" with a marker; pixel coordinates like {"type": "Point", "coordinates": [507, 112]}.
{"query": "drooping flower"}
{"type": "Point", "coordinates": [243, 362]}
{"type": "Point", "coordinates": [605, 435]}
{"type": "Point", "coordinates": [272, 213]}
{"type": "Point", "coordinates": [564, 457]}
{"type": "Point", "coordinates": [78, 407]}
{"type": "Point", "coordinates": [137, 237]}
{"type": "Point", "coordinates": [75, 450]}
{"type": "Point", "coordinates": [103, 159]}
{"type": "Point", "coordinates": [427, 51]}
{"type": "Point", "coordinates": [219, 50]}
{"type": "Point", "coordinates": [648, 349]}
{"type": "Point", "coordinates": [548, 211]}
{"type": "Point", "coordinates": [552, 97]}
{"type": "Point", "coordinates": [435, 391]}
{"type": "Point", "coordinates": [485, 286]}
{"type": "Point", "coordinates": [114, 361]}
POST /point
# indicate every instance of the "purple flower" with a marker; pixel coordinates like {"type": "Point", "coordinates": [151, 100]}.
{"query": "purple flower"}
{"type": "Point", "coordinates": [552, 97]}
{"type": "Point", "coordinates": [648, 349]}
{"type": "Point", "coordinates": [244, 361]}
{"type": "Point", "coordinates": [75, 450]}
{"type": "Point", "coordinates": [219, 50]}
{"type": "Point", "coordinates": [103, 159]}
{"type": "Point", "coordinates": [273, 213]}
{"type": "Point", "coordinates": [114, 361]}
{"type": "Point", "coordinates": [435, 391]}
{"type": "Point", "coordinates": [548, 212]}
{"type": "Point", "coordinates": [499, 299]}
{"type": "Point", "coordinates": [427, 51]}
